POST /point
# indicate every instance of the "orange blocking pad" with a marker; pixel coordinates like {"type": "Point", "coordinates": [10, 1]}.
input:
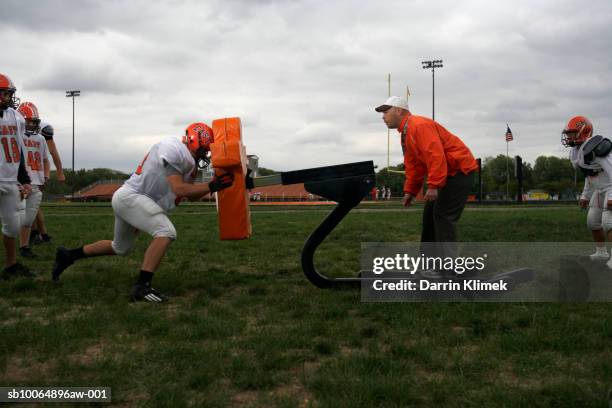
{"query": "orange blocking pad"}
{"type": "Point", "coordinates": [229, 156]}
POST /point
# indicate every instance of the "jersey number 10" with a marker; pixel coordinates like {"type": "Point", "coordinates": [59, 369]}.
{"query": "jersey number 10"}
{"type": "Point", "coordinates": [7, 151]}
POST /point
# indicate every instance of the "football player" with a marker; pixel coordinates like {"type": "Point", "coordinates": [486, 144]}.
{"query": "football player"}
{"type": "Point", "coordinates": [590, 156]}
{"type": "Point", "coordinates": [14, 179]}
{"type": "Point", "coordinates": [165, 175]}
{"type": "Point", "coordinates": [37, 163]}
{"type": "Point", "coordinates": [39, 229]}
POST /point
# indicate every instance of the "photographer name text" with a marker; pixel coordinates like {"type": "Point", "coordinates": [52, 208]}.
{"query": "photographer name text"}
{"type": "Point", "coordinates": [448, 286]}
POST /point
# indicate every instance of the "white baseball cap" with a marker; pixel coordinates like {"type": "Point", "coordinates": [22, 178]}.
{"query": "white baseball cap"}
{"type": "Point", "coordinates": [393, 101]}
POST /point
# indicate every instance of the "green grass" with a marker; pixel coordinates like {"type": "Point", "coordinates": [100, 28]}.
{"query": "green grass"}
{"type": "Point", "coordinates": [245, 328]}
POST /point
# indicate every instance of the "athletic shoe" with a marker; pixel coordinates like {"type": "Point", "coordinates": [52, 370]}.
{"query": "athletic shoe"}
{"type": "Point", "coordinates": [600, 256]}
{"type": "Point", "coordinates": [45, 238]}
{"type": "Point", "coordinates": [26, 252]}
{"type": "Point", "coordinates": [17, 270]}
{"type": "Point", "coordinates": [62, 261]}
{"type": "Point", "coordinates": [145, 293]}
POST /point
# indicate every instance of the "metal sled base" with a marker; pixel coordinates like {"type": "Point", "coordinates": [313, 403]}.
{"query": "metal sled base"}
{"type": "Point", "coordinates": [345, 184]}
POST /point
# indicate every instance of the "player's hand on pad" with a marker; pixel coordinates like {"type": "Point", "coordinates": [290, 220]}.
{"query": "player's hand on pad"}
{"type": "Point", "coordinates": [221, 182]}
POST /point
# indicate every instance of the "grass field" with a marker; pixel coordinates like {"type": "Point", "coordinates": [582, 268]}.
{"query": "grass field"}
{"type": "Point", "coordinates": [244, 328]}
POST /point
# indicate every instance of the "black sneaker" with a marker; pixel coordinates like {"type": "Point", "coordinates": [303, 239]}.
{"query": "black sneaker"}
{"type": "Point", "coordinates": [145, 293]}
{"type": "Point", "coordinates": [26, 252]}
{"type": "Point", "coordinates": [44, 238]}
{"type": "Point", "coordinates": [62, 261]}
{"type": "Point", "coordinates": [17, 270]}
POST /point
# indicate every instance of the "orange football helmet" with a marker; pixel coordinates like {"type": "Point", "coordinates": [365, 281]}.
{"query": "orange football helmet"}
{"type": "Point", "coordinates": [198, 137]}
{"type": "Point", "coordinates": [578, 129]}
{"type": "Point", "coordinates": [7, 88]}
{"type": "Point", "coordinates": [29, 111]}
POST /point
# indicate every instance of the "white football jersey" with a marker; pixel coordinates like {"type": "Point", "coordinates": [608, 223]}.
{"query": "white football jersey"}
{"type": "Point", "coordinates": [601, 181]}
{"type": "Point", "coordinates": [35, 152]}
{"type": "Point", "coordinates": [170, 156]}
{"type": "Point", "coordinates": [12, 128]}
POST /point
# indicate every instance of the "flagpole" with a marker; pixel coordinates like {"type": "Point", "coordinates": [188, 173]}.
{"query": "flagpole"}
{"type": "Point", "coordinates": [388, 130]}
{"type": "Point", "coordinates": [507, 172]}
{"type": "Point", "coordinates": [508, 139]}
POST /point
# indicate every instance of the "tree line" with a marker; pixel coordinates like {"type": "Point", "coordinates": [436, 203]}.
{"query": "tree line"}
{"type": "Point", "coordinates": [551, 174]}
{"type": "Point", "coordinates": [80, 179]}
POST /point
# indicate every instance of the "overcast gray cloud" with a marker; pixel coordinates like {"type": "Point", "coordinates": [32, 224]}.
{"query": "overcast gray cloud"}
{"type": "Point", "coordinates": [304, 76]}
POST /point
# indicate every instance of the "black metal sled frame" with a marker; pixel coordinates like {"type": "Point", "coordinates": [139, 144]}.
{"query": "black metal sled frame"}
{"type": "Point", "coordinates": [347, 185]}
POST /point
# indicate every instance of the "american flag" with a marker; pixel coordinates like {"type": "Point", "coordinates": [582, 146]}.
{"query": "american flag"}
{"type": "Point", "coordinates": [509, 137]}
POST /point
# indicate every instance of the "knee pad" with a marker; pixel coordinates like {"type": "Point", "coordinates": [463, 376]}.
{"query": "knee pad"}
{"type": "Point", "coordinates": [167, 230]}
{"type": "Point", "coordinates": [32, 204]}
{"type": "Point", "coordinates": [12, 209]}
{"type": "Point", "coordinates": [122, 249]}
{"type": "Point", "coordinates": [594, 218]}
{"type": "Point", "coordinates": [606, 220]}
{"type": "Point", "coordinates": [10, 227]}
{"type": "Point", "coordinates": [28, 219]}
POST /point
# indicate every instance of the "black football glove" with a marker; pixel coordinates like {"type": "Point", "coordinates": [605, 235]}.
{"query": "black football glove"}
{"type": "Point", "coordinates": [248, 179]}
{"type": "Point", "coordinates": [218, 183]}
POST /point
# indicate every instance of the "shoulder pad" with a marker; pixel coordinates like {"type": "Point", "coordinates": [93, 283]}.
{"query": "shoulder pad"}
{"type": "Point", "coordinates": [596, 146]}
{"type": "Point", "coordinates": [47, 132]}
{"type": "Point", "coordinates": [604, 147]}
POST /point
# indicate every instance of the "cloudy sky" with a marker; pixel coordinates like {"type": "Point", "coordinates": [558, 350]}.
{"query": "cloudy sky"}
{"type": "Point", "coordinates": [304, 76]}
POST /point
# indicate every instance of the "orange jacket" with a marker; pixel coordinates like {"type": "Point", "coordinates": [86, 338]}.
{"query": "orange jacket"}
{"type": "Point", "coordinates": [431, 150]}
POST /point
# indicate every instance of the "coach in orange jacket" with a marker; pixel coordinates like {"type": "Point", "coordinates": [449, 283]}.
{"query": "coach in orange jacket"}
{"type": "Point", "coordinates": [431, 152]}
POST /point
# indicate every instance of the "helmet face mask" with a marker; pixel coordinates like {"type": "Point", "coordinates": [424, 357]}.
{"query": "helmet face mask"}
{"type": "Point", "coordinates": [203, 157]}
{"type": "Point", "coordinates": [577, 131]}
{"type": "Point", "coordinates": [32, 126]}
{"type": "Point", "coordinates": [8, 99]}
{"type": "Point", "coordinates": [568, 138]}
{"type": "Point", "coordinates": [7, 93]}
{"type": "Point", "coordinates": [15, 102]}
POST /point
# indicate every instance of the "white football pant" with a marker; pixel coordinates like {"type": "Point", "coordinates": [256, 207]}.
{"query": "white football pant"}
{"type": "Point", "coordinates": [136, 212]}
{"type": "Point", "coordinates": [32, 204]}
{"type": "Point", "coordinates": [10, 204]}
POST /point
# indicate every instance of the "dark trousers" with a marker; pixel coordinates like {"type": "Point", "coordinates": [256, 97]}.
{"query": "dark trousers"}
{"type": "Point", "coordinates": [440, 217]}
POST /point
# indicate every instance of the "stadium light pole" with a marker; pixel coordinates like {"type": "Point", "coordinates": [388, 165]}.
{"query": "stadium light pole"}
{"type": "Point", "coordinates": [73, 94]}
{"type": "Point", "coordinates": [433, 64]}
